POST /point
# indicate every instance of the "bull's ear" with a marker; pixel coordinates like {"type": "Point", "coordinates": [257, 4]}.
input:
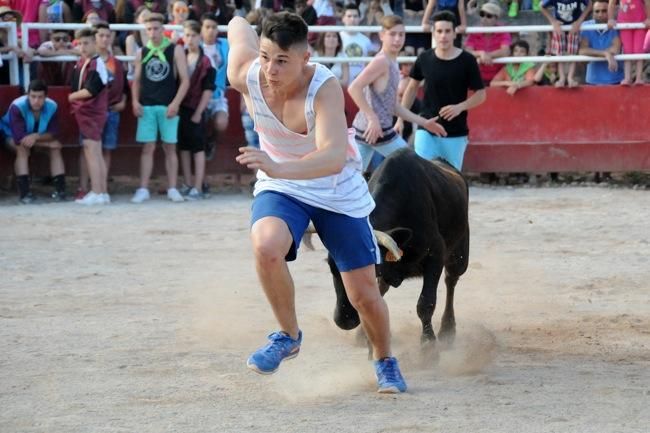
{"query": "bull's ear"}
{"type": "Point", "coordinates": [401, 235]}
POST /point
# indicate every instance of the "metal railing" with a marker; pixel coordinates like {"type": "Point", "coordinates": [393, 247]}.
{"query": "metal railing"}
{"type": "Point", "coordinates": [321, 29]}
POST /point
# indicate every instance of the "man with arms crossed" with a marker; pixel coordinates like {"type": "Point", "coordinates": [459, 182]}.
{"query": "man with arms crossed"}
{"type": "Point", "coordinates": [308, 169]}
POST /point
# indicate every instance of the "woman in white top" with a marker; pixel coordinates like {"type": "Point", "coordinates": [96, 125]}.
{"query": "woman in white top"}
{"type": "Point", "coordinates": [329, 44]}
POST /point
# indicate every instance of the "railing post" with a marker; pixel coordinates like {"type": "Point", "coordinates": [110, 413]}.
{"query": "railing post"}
{"type": "Point", "coordinates": [24, 46]}
{"type": "Point", "coordinates": [12, 40]}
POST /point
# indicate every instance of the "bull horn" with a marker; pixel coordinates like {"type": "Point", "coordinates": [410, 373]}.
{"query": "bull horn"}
{"type": "Point", "coordinates": [306, 238]}
{"type": "Point", "coordinates": [394, 253]}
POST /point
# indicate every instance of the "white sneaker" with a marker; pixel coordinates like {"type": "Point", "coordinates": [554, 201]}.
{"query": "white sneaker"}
{"type": "Point", "coordinates": [92, 198]}
{"type": "Point", "coordinates": [106, 198]}
{"type": "Point", "coordinates": [141, 194]}
{"type": "Point", "coordinates": [174, 195]}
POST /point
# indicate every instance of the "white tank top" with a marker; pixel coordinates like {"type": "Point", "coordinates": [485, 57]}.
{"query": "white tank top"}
{"type": "Point", "coordinates": [344, 193]}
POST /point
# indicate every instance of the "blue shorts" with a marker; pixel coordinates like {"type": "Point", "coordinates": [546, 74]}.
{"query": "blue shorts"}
{"type": "Point", "coordinates": [111, 131]}
{"type": "Point", "coordinates": [451, 149]}
{"type": "Point", "coordinates": [350, 241]}
{"type": "Point", "coordinates": [154, 119]}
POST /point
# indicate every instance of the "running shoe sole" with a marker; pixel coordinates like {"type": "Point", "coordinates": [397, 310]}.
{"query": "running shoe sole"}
{"type": "Point", "coordinates": [266, 373]}
{"type": "Point", "coordinates": [389, 390]}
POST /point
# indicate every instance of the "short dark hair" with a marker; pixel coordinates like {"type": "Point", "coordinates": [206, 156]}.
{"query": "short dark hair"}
{"type": "Point", "coordinates": [192, 25]}
{"type": "Point", "coordinates": [37, 85]}
{"type": "Point", "coordinates": [353, 7]}
{"type": "Point", "coordinates": [444, 16]}
{"type": "Point", "coordinates": [209, 16]}
{"type": "Point", "coordinates": [85, 33]}
{"type": "Point", "coordinates": [285, 29]}
{"type": "Point", "coordinates": [522, 44]}
{"type": "Point", "coordinates": [101, 25]}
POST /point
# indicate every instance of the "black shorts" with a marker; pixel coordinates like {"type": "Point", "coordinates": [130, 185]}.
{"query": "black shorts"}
{"type": "Point", "coordinates": [191, 136]}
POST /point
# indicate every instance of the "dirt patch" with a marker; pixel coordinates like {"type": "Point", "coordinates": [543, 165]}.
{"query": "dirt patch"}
{"type": "Point", "coordinates": [140, 318]}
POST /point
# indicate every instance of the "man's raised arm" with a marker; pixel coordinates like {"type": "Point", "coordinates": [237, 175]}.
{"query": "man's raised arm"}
{"type": "Point", "coordinates": [244, 48]}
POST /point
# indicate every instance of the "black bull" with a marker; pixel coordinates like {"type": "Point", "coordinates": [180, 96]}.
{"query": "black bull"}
{"type": "Point", "coordinates": [422, 205]}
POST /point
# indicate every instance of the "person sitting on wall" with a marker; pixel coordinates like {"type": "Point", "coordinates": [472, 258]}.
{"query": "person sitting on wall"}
{"type": "Point", "coordinates": [516, 76]}
{"type": "Point", "coordinates": [32, 121]}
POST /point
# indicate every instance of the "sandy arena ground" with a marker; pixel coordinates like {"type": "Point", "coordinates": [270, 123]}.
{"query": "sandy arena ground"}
{"type": "Point", "coordinates": [133, 318]}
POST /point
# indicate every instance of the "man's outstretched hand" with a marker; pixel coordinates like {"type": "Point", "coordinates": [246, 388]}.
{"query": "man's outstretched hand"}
{"type": "Point", "coordinates": [257, 159]}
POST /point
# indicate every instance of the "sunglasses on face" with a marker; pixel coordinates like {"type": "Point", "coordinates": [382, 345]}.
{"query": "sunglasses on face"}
{"type": "Point", "coordinates": [9, 17]}
{"type": "Point", "coordinates": [484, 14]}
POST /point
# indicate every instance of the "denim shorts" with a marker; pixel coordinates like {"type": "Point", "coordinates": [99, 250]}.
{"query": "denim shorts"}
{"type": "Point", "coordinates": [350, 241]}
{"type": "Point", "coordinates": [111, 131]}
{"type": "Point", "coordinates": [367, 151]}
{"type": "Point", "coordinates": [217, 104]}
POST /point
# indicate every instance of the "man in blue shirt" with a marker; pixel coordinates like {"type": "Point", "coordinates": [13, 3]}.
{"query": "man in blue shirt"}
{"type": "Point", "coordinates": [30, 122]}
{"type": "Point", "coordinates": [601, 43]}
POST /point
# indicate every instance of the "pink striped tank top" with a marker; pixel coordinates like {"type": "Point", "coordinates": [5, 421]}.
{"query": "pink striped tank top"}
{"type": "Point", "coordinates": [345, 193]}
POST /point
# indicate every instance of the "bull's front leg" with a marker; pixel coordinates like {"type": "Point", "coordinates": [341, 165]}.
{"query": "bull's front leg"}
{"type": "Point", "coordinates": [432, 269]}
{"type": "Point", "coordinates": [345, 316]}
{"type": "Point", "coordinates": [448, 323]}
{"type": "Point", "coordinates": [455, 266]}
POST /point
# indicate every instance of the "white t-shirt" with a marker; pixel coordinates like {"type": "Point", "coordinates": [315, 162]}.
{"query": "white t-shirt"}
{"type": "Point", "coordinates": [356, 45]}
{"type": "Point", "coordinates": [336, 68]}
{"type": "Point", "coordinates": [212, 53]}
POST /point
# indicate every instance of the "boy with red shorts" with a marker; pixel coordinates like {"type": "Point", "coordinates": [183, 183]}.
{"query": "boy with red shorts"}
{"type": "Point", "coordinates": [89, 102]}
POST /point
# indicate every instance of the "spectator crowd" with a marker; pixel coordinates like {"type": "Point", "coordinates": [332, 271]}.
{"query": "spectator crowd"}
{"type": "Point", "coordinates": [177, 82]}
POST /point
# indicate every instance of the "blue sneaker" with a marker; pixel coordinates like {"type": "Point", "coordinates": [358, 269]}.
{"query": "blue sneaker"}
{"type": "Point", "coordinates": [267, 359]}
{"type": "Point", "coordinates": [389, 378]}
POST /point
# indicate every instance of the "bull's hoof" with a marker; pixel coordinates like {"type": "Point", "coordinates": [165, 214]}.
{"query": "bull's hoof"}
{"type": "Point", "coordinates": [447, 335]}
{"type": "Point", "coordinates": [346, 322]}
{"type": "Point", "coordinates": [427, 338]}
{"type": "Point", "coordinates": [429, 351]}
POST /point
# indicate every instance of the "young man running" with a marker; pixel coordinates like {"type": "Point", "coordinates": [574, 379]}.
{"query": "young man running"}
{"type": "Point", "coordinates": [308, 169]}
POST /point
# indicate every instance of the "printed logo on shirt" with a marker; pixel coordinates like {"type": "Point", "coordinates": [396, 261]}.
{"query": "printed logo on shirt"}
{"type": "Point", "coordinates": [354, 50]}
{"type": "Point", "coordinates": [155, 70]}
{"type": "Point", "coordinates": [565, 11]}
